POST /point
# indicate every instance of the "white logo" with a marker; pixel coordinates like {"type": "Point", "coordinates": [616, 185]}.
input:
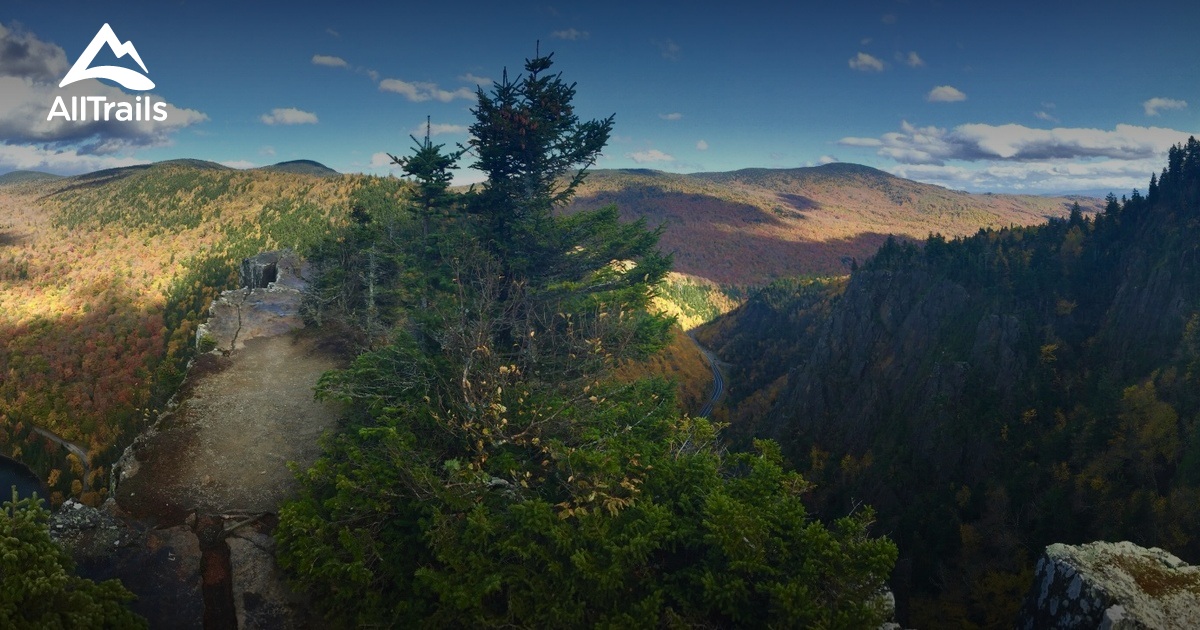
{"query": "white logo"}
{"type": "Point", "coordinates": [101, 108]}
{"type": "Point", "coordinates": [131, 79]}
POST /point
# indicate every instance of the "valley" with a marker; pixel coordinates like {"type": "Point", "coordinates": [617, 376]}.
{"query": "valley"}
{"type": "Point", "coordinates": [879, 316]}
{"type": "Point", "coordinates": [141, 253]}
{"type": "Point", "coordinates": [129, 259]}
{"type": "Point", "coordinates": [994, 394]}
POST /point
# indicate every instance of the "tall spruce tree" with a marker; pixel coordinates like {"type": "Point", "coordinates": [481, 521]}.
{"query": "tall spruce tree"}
{"type": "Point", "coordinates": [431, 168]}
{"type": "Point", "coordinates": [527, 138]}
{"type": "Point", "coordinates": [493, 472]}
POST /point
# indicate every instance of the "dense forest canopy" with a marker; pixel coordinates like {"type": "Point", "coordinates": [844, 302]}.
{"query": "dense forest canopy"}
{"type": "Point", "coordinates": [993, 394]}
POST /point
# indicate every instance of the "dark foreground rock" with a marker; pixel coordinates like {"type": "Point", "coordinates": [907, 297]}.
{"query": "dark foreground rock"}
{"type": "Point", "coordinates": [1112, 586]}
{"type": "Point", "coordinates": [260, 593]}
{"type": "Point", "coordinates": [160, 566]}
{"type": "Point", "coordinates": [207, 572]}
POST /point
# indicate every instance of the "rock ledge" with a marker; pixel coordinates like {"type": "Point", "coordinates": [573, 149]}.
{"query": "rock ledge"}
{"type": "Point", "coordinates": [1112, 586]}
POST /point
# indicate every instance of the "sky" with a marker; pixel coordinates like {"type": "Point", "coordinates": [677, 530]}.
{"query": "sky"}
{"type": "Point", "coordinates": [1028, 97]}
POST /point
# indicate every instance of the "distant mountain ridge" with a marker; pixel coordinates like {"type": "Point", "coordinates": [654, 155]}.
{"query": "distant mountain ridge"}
{"type": "Point", "coordinates": [749, 226]}
{"type": "Point", "coordinates": [301, 167]}
{"type": "Point", "coordinates": [20, 177]}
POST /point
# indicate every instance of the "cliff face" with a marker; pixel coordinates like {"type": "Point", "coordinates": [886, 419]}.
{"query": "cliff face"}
{"type": "Point", "coordinates": [193, 501]}
{"type": "Point", "coordinates": [1112, 586]}
{"type": "Point", "coordinates": [266, 305]}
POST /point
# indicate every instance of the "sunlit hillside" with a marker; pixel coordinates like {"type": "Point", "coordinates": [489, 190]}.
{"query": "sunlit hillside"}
{"type": "Point", "coordinates": [750, 226]}
{"type": "Point", "coordinates": [103, 279]}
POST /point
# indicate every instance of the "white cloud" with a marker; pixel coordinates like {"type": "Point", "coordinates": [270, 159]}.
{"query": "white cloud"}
{"type": "Point", "coordinates": [945, 94]}
{"type": "Point", "coordinates": [25, 104]}
{"type": "Point", "coordinates": [866, 63]}
{"type": "Point", "coordinates": [913, 60]}
{"type": "Point", "coordinates": [330, 61]}
{"type": "Point", "coordinates": [1041, 115]}
{"type": "Point", "coordinates": [267, 150]}
{"type": "Point", "coordinates": [30, 70]}
{"type": "Point", "coordinates": [419, 92]}
{"type": "Point", "coordinates": [381, 159]}
{"type": "Point", "coordinates": [1037, 177]}
{"type": "Point", "coordinates": [289, 116]}
{"type": "Point", "coordinates": [22, 54]}
{"type": "Point", "coordinates": [701, 146]}
{"type": "Point", "coordinates": [570, 34]}
{"type": "Point", "coordinates": [827, 159]}
{"type": "Point", "coordinates": [669, 49]}
{"type": "Point", "coordinates": [477, 80]}
{"type": "Point", "coordinates": [860, 142]}
{"type": "Point", "coordinates": [1018, 143]}
{"type": "Point", "coordinates": [889, 18]}
{"type": "Point", "coordinates": [67, 161]}
{"type": "Point", "coordinates": [650, 155]}
{"type": "Point", "coordinates": [333, 33]}
{"type": "Point", "coordinates": [437, 129]}
{"type": "Point", "coordinates": [240, 164]}
{"type": "Point", "coordinates": [1155, 105]}
{"type": "Point", "coordinates": [671, 116]}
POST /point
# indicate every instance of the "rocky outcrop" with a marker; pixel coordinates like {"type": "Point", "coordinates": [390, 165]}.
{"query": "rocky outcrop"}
{"type": "Point", "coordinates": [281, 268]}
{"type": "Point", "coordinates": [205, 572]}
{"type": "Point", "coordinates": [1112, 586]}
{"type": "Point", "coordinates": [240, 315]}
{"type": "Point", "coordinates": [199, 489]}
{"type": "Point", "coordinates": [160, 566]}
{"type": "Point", "coordinates": [267, 304]}
{"type": "Point", "coordinates": [261, 597]}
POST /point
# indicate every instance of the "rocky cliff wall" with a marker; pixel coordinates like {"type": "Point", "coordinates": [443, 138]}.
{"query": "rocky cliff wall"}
{"type": "Point", "coordinates": [1112, 586]}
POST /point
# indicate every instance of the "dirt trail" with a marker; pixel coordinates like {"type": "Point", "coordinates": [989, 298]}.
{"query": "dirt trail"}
{"type": "Point", "coordinates": [240, 421]}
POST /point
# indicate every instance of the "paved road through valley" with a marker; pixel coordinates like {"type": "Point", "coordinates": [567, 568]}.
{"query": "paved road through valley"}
{"type": "Point", "coordinates": [718, 379]}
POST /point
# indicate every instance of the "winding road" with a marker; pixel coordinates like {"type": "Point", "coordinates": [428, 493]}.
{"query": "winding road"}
{"type": "Point", "coordinates": [718, 378]}
{"type": "Point", "coordinates": [72, 447]}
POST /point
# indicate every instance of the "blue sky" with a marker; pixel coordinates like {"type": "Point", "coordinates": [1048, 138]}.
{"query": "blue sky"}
{"type": "Point", "coordinates": [984, 96]}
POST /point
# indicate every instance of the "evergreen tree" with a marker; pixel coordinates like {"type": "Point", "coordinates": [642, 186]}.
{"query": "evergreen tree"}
{"type": "Point", "coordinates": [526, 137]}
{"type": "Point", "coordinates": [431, 168]}
{"type": "Point", "coordinates": [38, 587]}
{"type": "Point", "coordinates": [493, 472]}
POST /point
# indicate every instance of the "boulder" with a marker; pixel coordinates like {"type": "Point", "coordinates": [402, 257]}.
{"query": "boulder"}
{"type": "Point", "coordinates": [240, 315]}
{"type": "Point", "coordinates": [1112, 586]}
{"type": "Point", "coordinates": [267, 304]}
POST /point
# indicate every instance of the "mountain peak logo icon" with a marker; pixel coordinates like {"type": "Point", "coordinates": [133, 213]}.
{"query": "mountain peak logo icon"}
{"type": "Point", "coordinates": [131, 79]}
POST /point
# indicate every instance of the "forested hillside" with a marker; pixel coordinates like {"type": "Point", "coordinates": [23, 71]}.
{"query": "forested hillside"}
{"type": "Point", "coordinates": [995, 393]}
{"type": "Point", "coordinates": [752, 226]}
{"type": "Point", "coordinates": [103, 279]}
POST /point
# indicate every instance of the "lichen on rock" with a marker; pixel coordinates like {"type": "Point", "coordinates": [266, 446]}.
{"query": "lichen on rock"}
{"type": "Point", "coordinates": [1112, 586]}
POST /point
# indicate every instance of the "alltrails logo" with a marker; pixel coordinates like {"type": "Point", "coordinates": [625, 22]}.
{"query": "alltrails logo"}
{"type": "Point", "coordinates": [100, 107]}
